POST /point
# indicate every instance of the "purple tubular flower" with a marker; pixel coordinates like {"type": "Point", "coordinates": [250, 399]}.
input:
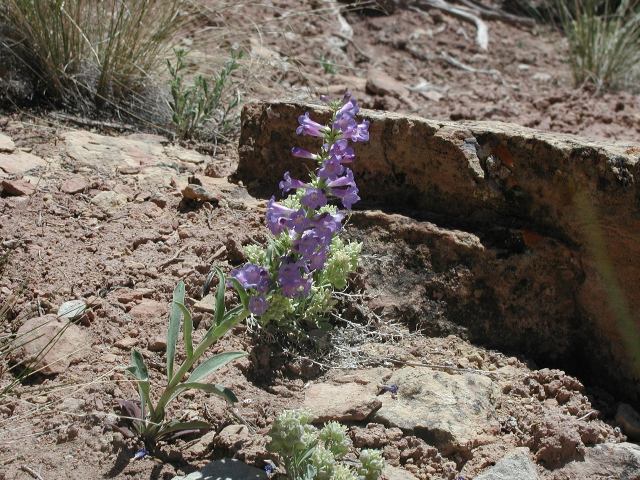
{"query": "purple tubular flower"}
{"type": "Point", "coordinates": [278, 216]}
{"type": "Point", "coordinates": [290, 183]}
{"type": "Point", "coordinates": [313, 198]}
{"type": "Point", "coordinates": [258, 305]}
{"type": "Point", "coordinates": [140, 454]}
{"type": "Point", "coordinates": [313, 247]}
{"type": "Point", "coordinates": [302, 153]}
{"type": "Point", "coordinates": [345, 189]}
{"type": "Point", "coordinates": [328, 222]}
{"type": "Point", "coordinates": [298, 221]}
{"type": "Point", "coordinates": [252, 276]}
{"type": "Point", "coordinates": [361, 132]}
{"type": "Point", "coordinates": [346, 125]}
{"type": "Point", "coordinates": [292, 281]}
{"type": "Point", "coordinates": [350, 107]}
{"type": "Point", "coordinates": [309, 127]}
{"type": "Point", "coordinates": [342, 151]}
{"type": "Point", "coordinates": [331, 169]}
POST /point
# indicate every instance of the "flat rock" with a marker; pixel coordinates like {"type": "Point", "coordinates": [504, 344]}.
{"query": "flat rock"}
{"type": "Point", "coordinates": [74, 185]}
{"type": "Point", "coordinates": [6, 144]}
{"type": "Point", "coordinates": [629, 420]}
{"type": "Point", "coordinates": [381, 83]}
{"type": "Point", "coordinates": [448, 411]}
{"type": "Point", "coordinates": [19, 163]}
{"type": "Point", "coordinates": [48, 344]}
{"type": "Point", "coordinates": [516, 464]}
{"type": "Point", "coordinates": [344, 402]}
{"type": "Point", "coordinates": [157, 343]}
{"type": "Point", "coordinates": [619, 461]}
{"type": "Point", "coordinates": [149, 309]}
{"type": "Point", "coordinates": [109, 201]}
{"type": "Point", "coordinates": [184, 155]}
{"type": "Point", "coordinates": [17, 188]}
{"type": "Point", "coordinates": [206, 305]}
{"type": "Point", "coordinates": [199, 193]}
{"type": "Point", "coordinates": [226, 469]}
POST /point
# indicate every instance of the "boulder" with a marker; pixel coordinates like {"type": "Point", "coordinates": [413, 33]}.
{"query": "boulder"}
{"type": "Point", "coordinates": [346, 402]}
{"type": "Point", "coordinates": [619, 461]}
{"type": "Point", "coordinates": [629, 420]}
{"type": "Point", "coordinates": [452, 412]}
{"type": "Point", "coordinates": [556, 215]}
{"type": "Point", "coordinates": [48, 344]}
{"type": "Point", "coordinates": [516, 464]}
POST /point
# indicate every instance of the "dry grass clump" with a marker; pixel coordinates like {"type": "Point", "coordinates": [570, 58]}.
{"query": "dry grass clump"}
{"type": "Point", "coordinates": [101, 50]}
{"type": "Point", "coordinates": [604, 41]}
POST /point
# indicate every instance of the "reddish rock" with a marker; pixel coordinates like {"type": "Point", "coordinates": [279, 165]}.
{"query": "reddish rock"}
{"type": "Point", "coordinates": [345, 402]}
{"type": "Point", "coordinates": [149, 310]}
{"type": "Point", "coordinates": [17, 188]}
{"type": "Point", "coordinates": [74, 185]}
{"type": "Point", "coordinates": [19, 163]}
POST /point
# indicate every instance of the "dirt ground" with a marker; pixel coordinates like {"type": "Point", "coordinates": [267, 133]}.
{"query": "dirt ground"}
{"type": "Point", "coordinates": [125, 256]}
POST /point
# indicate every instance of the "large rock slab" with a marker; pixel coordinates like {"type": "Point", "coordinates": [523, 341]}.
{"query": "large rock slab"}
{"type": "Point", "coordinates": [516, 464]}
{"type": "Point", "coordinates": [48, 344]}
{"type": "Point", "coordinates": [619, 461]}
{"type": "Point", "coordinates": [561, 204]}
{"type": "Point", "coordinates": [451, 412]}
{"type": "Point", "coordinates": [19, 163]}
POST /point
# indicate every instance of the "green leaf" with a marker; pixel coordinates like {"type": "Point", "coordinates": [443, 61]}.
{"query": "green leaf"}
{"type": "Point", "coordinates": [219, 390]}
{"type": "Point", "coordinates": [187, 329]}
{"type": "Point", "coordinates": [212, 364]}
{"type": "Point", "coordinates": [174, 426]}
{"type": "Point", "coordinates": [242, 293]}
{"type": "Point", "coordinates": [220, 297]}
{"type": "Point", "coordinates": [174, 327]}
{"type": "Point", "coordinates": [141, 374]}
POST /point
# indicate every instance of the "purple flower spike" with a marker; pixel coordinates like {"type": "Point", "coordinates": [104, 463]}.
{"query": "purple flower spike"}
{"type": "Point", "coordinates": [345, 124]}
{"type": "Point", "coordinates": [342, 151]}
{"type": "Point", "coordinates": [278, 216]}
{"type": "Point", "coordinates": [313, 198]}
{"type": "Point", "coordinates": [302, 153]}
{"type": "Point", "coordinates": [258, 305]}
{"type": "Point", "coordinates": [290, 183]}
{"type": "Point", "coordinates": [309, 127]}
{"type": "Point", "coordinates": [252, 276]}
{"type": "Point", "coordinates": [292, 281]}
{"type": "Point", "coordinates": [350, 107]}
{"type": "Point", "coordinates": [331, 169]}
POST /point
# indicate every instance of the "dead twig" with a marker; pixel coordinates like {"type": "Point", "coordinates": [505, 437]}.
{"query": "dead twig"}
{"type": "Point", "coordinates": [454, 62]}
{"type": "Point", "coordinates": [176, 258]}
{"type": "Point", "coordinates": [490, 13]}
{"type": "Point", "coordinates": [87, 122]}
{"type": "Point", "coordinates": [482, 31]}
{"type": "Point", "coordinates": [31, 472]}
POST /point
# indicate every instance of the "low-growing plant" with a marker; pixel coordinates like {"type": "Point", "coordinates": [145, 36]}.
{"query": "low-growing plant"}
{"type": "Point", "coordinates": [309, 453]}
{"type": "Point", "coordinates": [292, 281]}
{"type": "Point", "coordinates": [86, 48]}
{"type": "Point", "coordinates": [150, 419]}
{"type": "Point", "coordinates": [604, 41]}
{"type": "Point", "coordinates": [193, 106]}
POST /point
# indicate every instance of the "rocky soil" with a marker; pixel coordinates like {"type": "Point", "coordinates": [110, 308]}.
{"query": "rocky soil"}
{"type": "Point", "coordinates": [115, 219]}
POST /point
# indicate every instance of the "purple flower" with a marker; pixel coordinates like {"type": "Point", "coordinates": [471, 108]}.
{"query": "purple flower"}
{"type": "Point", "coordinates": [350, 107]}
{"type": "Point", "coordinates": [290, 183]}
{"type": "Point", "coordinates": [313, 198]}
{"type": "Point", "coordinates": [298, 221]}
{"type": "Point", "coordinates": [346, 125]}
{"type": "Point", "coordinates": [278, 216]}
{"type": "Point", "coordinates": [393, 388]}
{"type": "Point", "coordinates": [313, 247]}
{"type": "Point", "coordinates": [292, 280]}
{"type": "Point", "coordinates": [328, 222]}
{"type": "Point", "coordinates": [331, 168]}
{"type": "Point", "coordinates": [140, 454]}
{"type": "Point", "coordinates": [342, 151]}
{"type": "Point", "coordinates": [258, 305]}
{"type": "Point", "coordinates": [361, 133]}
{"type": "Point", "coordinates": [252, 276]}
{"type": "Point", "coordinates": [345, 189]}
{"type": "Point", "coordinates": [302, 153]}
{"type": "Point", "coordinates": [309, 127]}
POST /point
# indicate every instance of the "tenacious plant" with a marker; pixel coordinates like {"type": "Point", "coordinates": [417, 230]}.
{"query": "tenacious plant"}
{"type": "Point", "coordinates": [150, 419]}
{"type": "Point", "coordinates": [309, 453]}
{"type": "Point", "coordinates": [293, 279]}
{"type": "Point", "coordinates": [193, 106]}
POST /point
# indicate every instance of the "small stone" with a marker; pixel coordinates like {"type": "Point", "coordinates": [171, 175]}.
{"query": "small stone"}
{"type": "Point", "coordinates": [629, 420]}
{"type": "Point", "coordinates": [74, 185]}
{"type": "Point", "coordinates": [344, 402]}
{"type": "Point", "coordinates": [541, 77]}
{"type": "Point", "coordinates": [203, 445]}
{"type": "Point", "coordinates": [206, 305]}
{"type": "Point", "coordinates": [126, 343]}
{"type": "Point", "coordinates": [6, 144]}
{"type": "Point", "coordinates": [158, 344]}
{"type": "Point", "coordinates": [17, 188]}
{"type": "Point", "coordinates": [109, 201]}
{"type": "Point", "coordinates": [158, 199]}
{"type": "Point", "coordinates": [49, 344]}
{"type": "Point", "coordinates": [516, 464]}
{"type": "Point", "coordinates": [72, 309]}
{"type": "Point", "coordinates": [19, 163]}
{"type": "Point", "coordinates": [148, 310]}
{"type": "Point", "coordinates": [198, 193]}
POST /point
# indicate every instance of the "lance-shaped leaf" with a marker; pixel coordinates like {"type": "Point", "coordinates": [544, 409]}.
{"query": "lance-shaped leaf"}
{"type": "Point", "coordinates": [212, 364]}
{"type": "Point", "coordinates": [220, 297]}
{"type": "Point", "coordinates": [139, 371]}
{"type": "Point", "coordinates": [175, 427]}
{"type": "Point", "coordinates": [187, 329]}
{"type": "Point", "coordinates": [174, 327]}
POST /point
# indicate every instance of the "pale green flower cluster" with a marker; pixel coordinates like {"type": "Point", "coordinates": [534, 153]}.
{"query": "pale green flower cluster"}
{"type": "Point", "coordinates": [312, 454]}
